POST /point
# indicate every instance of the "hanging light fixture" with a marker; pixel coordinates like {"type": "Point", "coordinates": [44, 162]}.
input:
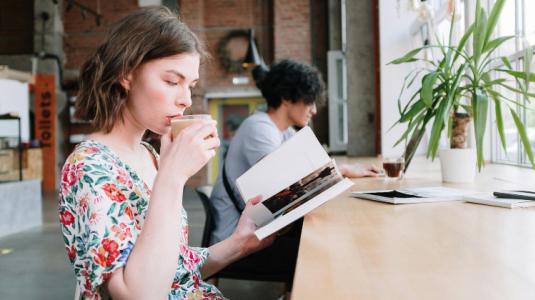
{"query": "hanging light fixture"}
{"type": "Point", "coordinates": [252, 57]}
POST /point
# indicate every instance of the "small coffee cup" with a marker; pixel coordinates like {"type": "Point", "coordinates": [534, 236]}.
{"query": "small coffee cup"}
{"type": "Point", "coordinates": [393, 167]}
{"type": "Point", "coordinates": [177, 124]}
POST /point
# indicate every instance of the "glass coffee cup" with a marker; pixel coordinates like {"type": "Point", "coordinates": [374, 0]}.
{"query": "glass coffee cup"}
{"type": "Point", "coordinates": [393, 167]}
{"type": "Point", "coordinates": [179, 123]}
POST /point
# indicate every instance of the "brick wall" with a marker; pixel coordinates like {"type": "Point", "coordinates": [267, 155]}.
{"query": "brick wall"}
{"type": "Point", "coordinates": [212, 20]}
{"type": "Point", "coordinates": [82, 35]}
{"type": "Point", "coordinates": [282, 30]}
{"type": "Point", "coordinates": [286, 36]}
{"type": "Point", "coordinates": [292, 30]}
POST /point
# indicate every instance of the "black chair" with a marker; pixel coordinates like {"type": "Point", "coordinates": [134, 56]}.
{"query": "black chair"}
{"type": "Point", "coordinates": [240, 269]}
{"type": "Point", "coordinates": [204, 193]}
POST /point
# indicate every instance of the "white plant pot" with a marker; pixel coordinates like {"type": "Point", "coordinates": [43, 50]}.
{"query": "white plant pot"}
{"type": "Point", "coordinates": [458, 165]}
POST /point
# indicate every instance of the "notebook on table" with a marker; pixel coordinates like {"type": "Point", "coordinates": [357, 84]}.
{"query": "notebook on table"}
{"type": "Point", "coordinates": [502, 201]}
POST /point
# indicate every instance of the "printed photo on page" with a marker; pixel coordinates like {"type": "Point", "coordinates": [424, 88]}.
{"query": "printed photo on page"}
{"type": "Point", "coordinates": [296, 194]}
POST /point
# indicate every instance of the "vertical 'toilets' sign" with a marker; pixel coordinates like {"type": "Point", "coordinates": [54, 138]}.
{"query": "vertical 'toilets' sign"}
{"type": "Point", "coordinates": [45, 126]}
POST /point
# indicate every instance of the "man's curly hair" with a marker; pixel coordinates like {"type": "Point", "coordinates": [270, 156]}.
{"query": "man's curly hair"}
{"type": "Point", "coordinates": [292, 81]}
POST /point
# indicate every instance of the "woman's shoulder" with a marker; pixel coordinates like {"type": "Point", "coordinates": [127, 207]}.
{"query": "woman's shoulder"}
{"type": "Point", "coordinates": [90, 153]}
{"type": "Point", "coordinates": [87, 158]}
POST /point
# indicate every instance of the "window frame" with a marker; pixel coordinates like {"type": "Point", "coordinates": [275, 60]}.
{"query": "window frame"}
{"type": "Point", "coordinates": [497, 154]}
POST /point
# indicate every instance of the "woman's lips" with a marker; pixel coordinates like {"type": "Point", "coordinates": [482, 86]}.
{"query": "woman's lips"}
{"type": "Point", "coordinates": [169, 118]}
{"type": "Point", "coordinates": [174, 116]}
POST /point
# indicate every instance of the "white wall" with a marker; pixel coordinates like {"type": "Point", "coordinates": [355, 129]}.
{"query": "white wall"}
{"type": "Point", "coordinates": [395, 41]}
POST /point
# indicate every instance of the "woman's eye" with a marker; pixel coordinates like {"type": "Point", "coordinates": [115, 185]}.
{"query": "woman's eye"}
{"type": "Point", "coordinates": [171, 83]}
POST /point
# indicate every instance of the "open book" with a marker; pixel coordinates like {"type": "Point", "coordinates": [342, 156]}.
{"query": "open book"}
{"type": "Point", "coordinates": [413, 195]}
{"type": "Point", "coordinates": [292, 180]}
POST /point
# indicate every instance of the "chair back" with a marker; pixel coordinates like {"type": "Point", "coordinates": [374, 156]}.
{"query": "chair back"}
{"type": "Point", "coordinates": [241, 270]}
{"type": "Point", "coordinates": [77, 292]}
{"type": "Point", "coordinates": [204, 193]}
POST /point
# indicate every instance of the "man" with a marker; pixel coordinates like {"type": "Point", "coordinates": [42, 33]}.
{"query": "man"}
{"type": "Point", "coordinates": [292, 91]}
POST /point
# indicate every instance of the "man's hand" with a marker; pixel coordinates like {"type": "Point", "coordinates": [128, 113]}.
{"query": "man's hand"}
{"type": "Point", "coordinates": [359, 170]}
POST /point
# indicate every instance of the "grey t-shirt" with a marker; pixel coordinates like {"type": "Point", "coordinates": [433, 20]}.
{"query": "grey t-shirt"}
{"type": "Point", "coordinates": [256, 137]}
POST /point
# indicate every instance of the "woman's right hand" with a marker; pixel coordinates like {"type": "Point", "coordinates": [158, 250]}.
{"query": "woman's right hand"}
{"type": "Point", "coordinates": [189, 151]}
{"type": "Point", "coordinates": [244, 234]}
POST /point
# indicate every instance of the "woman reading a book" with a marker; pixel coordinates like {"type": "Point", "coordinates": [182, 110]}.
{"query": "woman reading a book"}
{"type": "Point", "coordinates": [292, 90]}
{"type": "Point", "coordinates": [120, 203]}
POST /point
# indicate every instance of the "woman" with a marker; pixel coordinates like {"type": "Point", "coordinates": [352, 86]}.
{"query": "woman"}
{"type": "Point", "coordinates": [291, 90]}
{"type": "Point", "coordinates": [120, 203]}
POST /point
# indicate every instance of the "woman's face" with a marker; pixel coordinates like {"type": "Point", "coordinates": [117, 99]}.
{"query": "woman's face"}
{"type": "Point", "coordinates": [160, 90]}
{"type": "Point", "coordinates": [300, 113]}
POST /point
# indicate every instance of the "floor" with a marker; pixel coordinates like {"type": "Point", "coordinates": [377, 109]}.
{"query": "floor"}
{"type": "Point", "coordinates": [34, 264]}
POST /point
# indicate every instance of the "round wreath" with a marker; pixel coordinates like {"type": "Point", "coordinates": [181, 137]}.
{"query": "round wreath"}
{"type": "Point", "coordinates": [229, 64]}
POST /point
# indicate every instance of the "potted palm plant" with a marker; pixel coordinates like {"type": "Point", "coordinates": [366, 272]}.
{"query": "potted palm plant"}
{"type": "Point", "coordinates": [458, 88]}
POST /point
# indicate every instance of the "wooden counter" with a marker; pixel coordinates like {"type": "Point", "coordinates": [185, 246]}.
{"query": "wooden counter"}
{"type": "Point", "coordinates": [359, 249]}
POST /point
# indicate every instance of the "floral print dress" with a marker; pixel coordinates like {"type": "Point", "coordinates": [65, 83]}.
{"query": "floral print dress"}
{"type": "Point", "coordinates": [102, 206]}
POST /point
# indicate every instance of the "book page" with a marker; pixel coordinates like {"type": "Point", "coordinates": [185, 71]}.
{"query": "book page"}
{"type": "Point", "coordinates": [296, 194]}
{"type": "Point", "coordinates": [301, 210]}
{"type": "Point", "coordinates": [301, 155]}
{"type": "Point", "coordinates": [292, 180]}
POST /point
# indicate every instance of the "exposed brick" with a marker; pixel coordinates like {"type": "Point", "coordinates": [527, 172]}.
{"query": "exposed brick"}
{"type": "Point", "coordinates": [82, 35]}
{"type": "Point", "coordinates": [292, 30]}
{"type": "Point", "coordinates": [286, 36]}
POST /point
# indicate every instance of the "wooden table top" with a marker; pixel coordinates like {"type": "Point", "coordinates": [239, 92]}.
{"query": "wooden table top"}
{"type": "Point", "coordinates": [360, 249]}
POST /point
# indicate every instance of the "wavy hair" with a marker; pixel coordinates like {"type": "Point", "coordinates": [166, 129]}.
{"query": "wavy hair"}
{"type": "Point", "coordinates": [146, 34]}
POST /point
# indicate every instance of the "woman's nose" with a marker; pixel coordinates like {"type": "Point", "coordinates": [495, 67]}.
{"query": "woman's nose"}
{"type": "Point", "coordinates": [184, 99]}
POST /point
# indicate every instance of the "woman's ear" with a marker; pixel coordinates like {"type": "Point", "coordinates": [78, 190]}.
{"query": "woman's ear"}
{"type": "Point", "coordinates": [126, 81]}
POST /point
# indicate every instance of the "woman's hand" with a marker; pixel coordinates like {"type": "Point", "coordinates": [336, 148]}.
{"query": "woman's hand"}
{"type": "Point", "coordinates": [244, 233]}
{"type": "Point", "coordinates": [189, 151]}
{"type": "Point", "coordinates": [241, 243]}
{"type": "Point", "coordinates": [359, 170]}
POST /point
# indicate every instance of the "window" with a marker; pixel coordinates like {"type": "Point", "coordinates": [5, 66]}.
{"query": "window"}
{"type": "Point", "coordinates": [337, 92]}
{"type": "Point", "coordinates": [337, 100]}
{"type": "Point", "coordinates": [515, 20]}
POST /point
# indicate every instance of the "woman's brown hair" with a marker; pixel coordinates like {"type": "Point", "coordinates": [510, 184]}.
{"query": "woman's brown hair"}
{"type": "Point", "coordinates": [147, 34]}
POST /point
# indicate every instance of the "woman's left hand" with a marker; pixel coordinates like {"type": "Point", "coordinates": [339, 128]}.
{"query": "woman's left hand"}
{"type": "Point", "coordinates": [244, 233]}
{"type": "Point", "coordinates": [359, 170]}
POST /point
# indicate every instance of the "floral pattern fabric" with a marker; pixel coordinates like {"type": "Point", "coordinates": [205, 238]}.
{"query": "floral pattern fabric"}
{"type": "Point", "coordinates": [102, 206]}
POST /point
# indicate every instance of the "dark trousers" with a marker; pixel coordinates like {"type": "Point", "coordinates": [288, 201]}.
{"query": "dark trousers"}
{"type": "Point", "coordinates": [274, 263]}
